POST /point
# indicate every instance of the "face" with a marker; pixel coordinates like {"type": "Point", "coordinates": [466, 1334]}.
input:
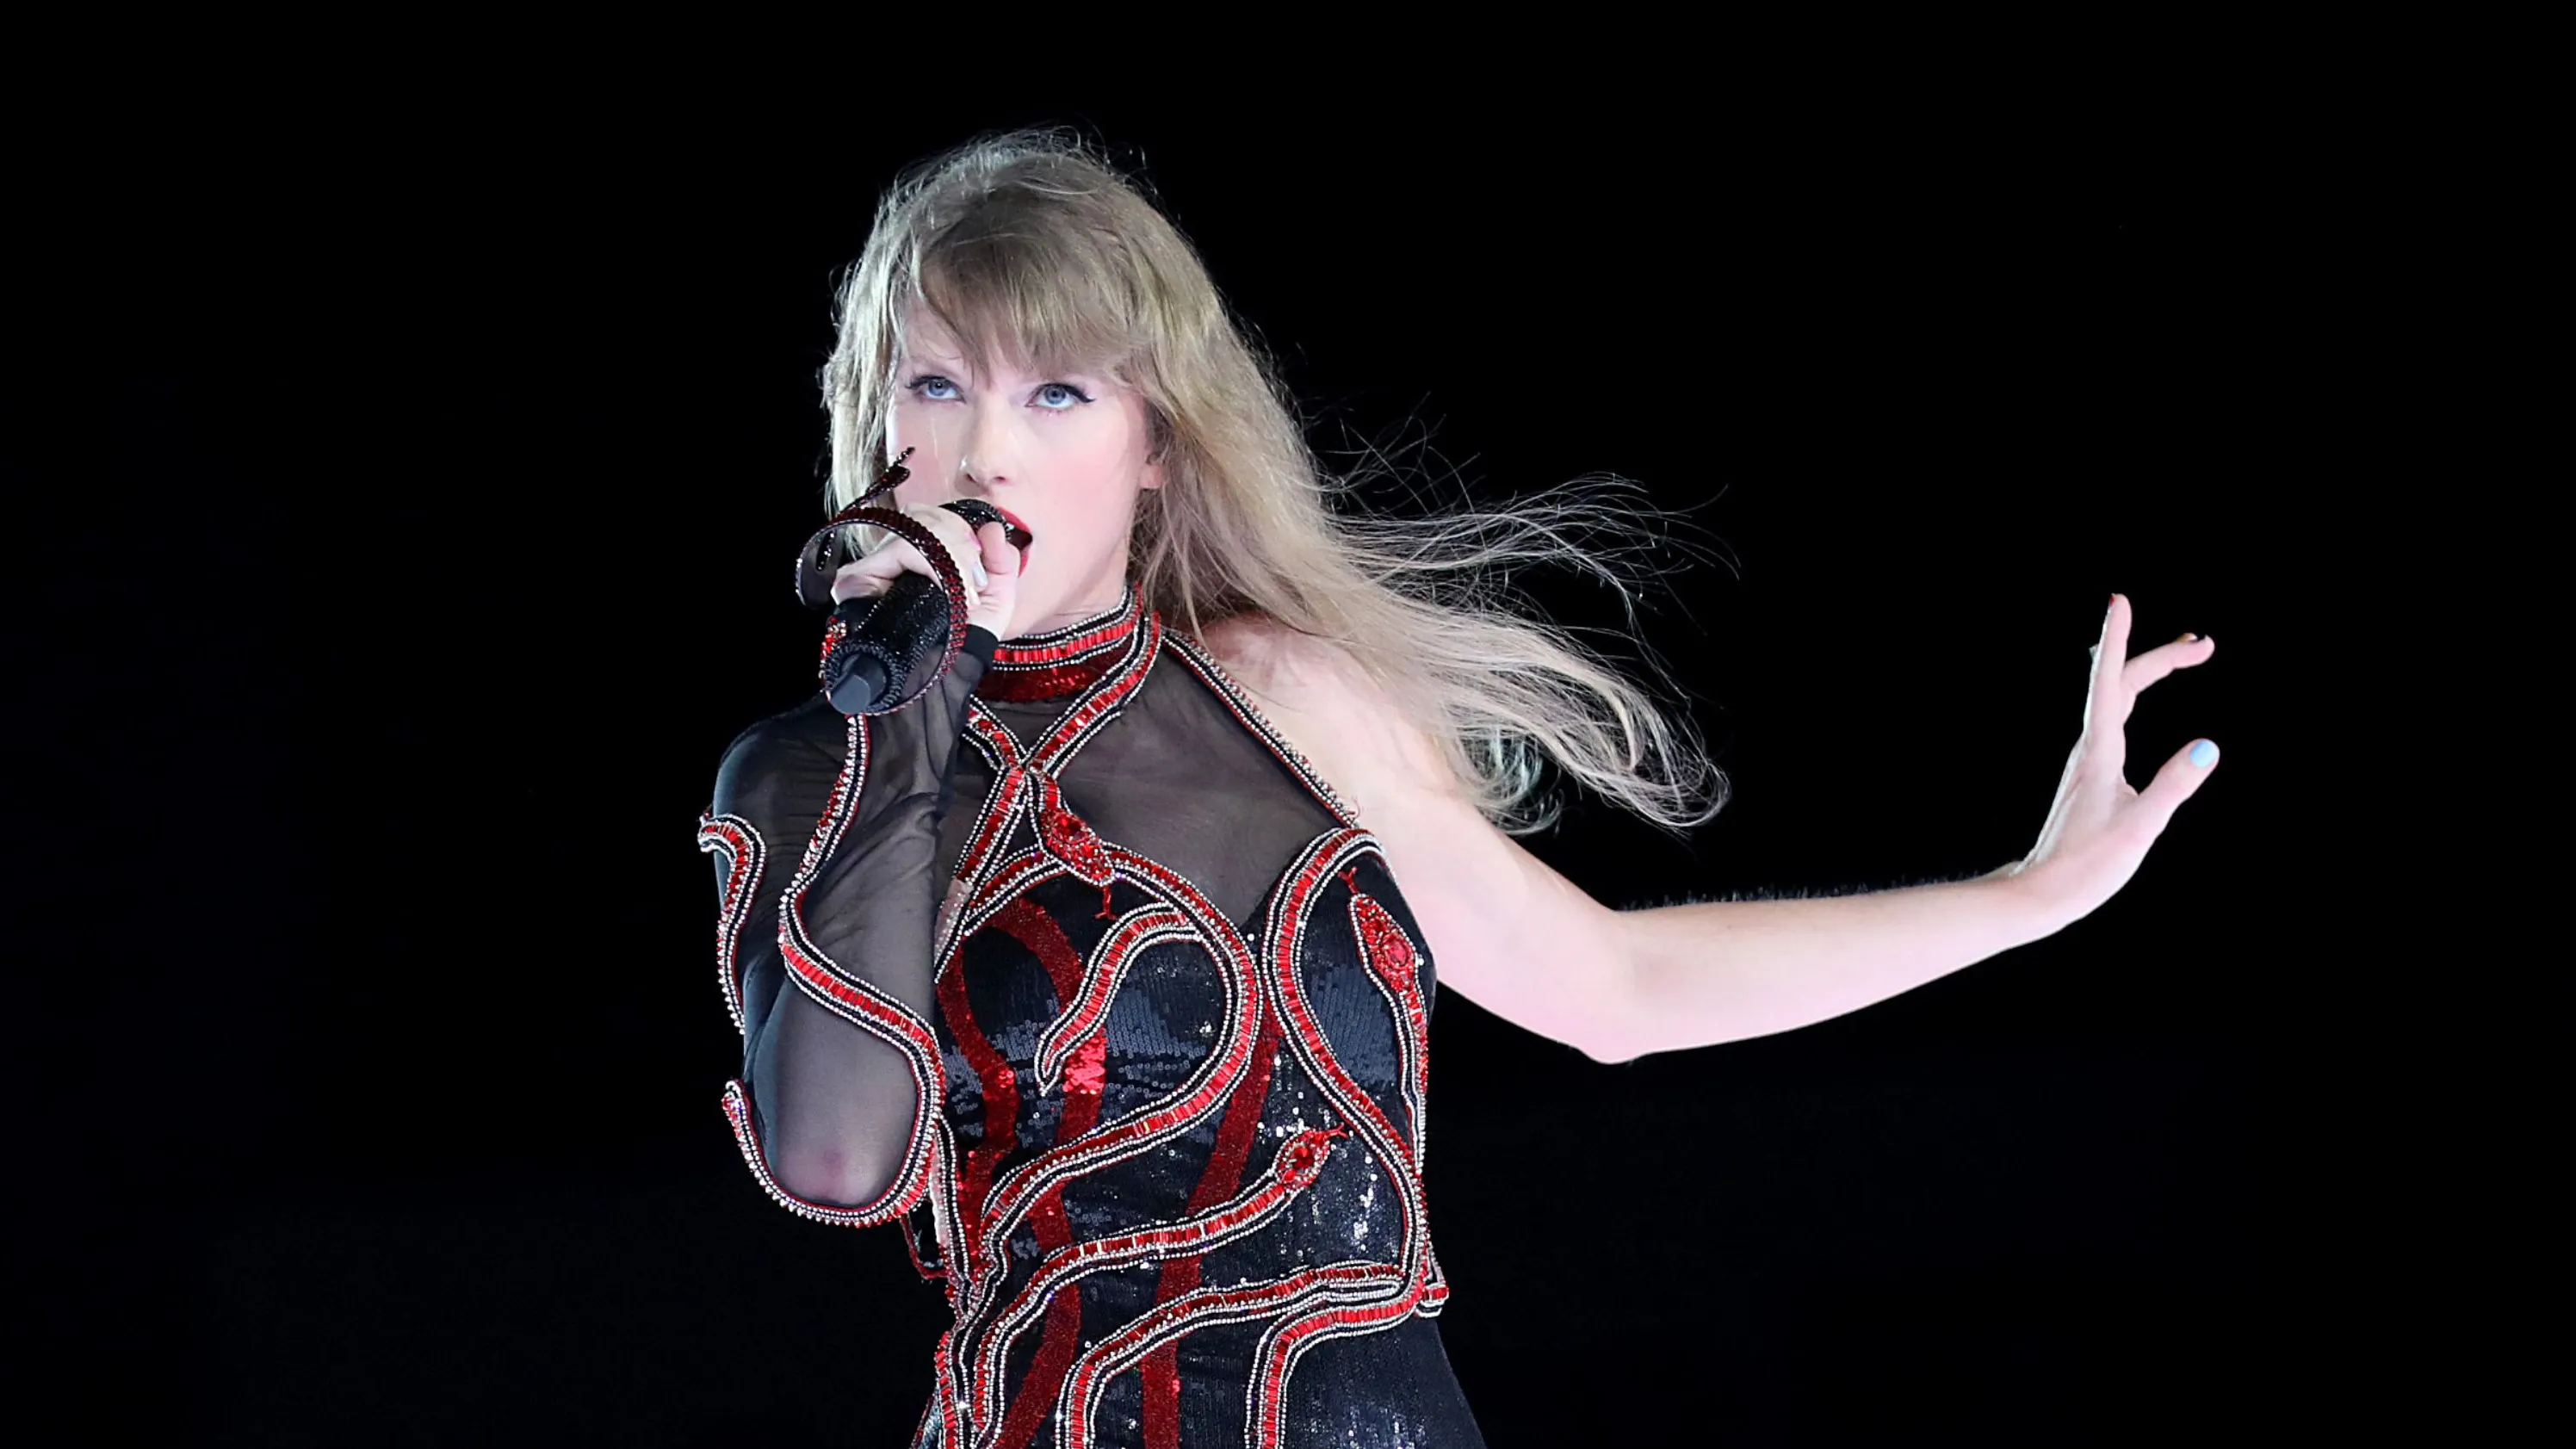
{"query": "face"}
{"type": "Point", "coordinates": [1064, 453]}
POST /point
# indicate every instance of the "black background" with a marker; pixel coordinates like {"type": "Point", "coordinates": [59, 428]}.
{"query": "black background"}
{"type": "Point", "coordinates": [424, 479]}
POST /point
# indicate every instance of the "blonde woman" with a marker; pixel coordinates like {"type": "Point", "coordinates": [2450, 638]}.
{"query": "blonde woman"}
{"type": "Point", "coordinates": [1105, 965]}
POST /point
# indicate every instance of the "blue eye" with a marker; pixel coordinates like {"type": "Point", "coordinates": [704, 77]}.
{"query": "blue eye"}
{"type": "Point", "coordinates": [922, 387]}
{"type": "Point", "coordinates": [1060, 396]}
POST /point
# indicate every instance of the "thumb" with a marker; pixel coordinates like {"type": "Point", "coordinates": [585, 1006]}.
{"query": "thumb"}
{"type": "Point", "coordinates": [1001, 561]}
{"type": "Point", "coordinates": [2178, 779]}
{"type": "Point", "coordinates": [1000, 590]}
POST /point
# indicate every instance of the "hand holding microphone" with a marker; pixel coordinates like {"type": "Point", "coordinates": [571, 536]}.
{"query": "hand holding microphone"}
{"type": "Point", "coordinates": [984, 555]}
{"type": "Point", "coordinates": [900, 614]}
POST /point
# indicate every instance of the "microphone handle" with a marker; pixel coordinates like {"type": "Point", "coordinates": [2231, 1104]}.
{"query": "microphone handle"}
{"type": "Point", "coordinates": [882, 637]}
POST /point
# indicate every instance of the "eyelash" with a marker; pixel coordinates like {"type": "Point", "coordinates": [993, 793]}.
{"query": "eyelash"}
{"type": "Point", "coordinates": [917, 384]}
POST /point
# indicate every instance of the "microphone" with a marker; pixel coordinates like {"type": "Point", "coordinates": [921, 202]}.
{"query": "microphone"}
{"type": "Point", "coordinates": [881, 638]}
{"type": "Point", "coordinates": [884, 650]}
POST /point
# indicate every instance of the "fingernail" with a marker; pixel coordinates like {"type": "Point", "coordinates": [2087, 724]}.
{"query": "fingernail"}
{"type": "Point", "coordinates": [2185, 638]}
{"type": "Point", "coordinates": [981, 578]}
{"type": "Point", "coordinates": [2204, 754]}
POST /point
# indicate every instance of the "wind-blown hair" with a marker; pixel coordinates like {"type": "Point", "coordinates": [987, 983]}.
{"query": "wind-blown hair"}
{"type": "Point", "coordinates": [1032, 249]}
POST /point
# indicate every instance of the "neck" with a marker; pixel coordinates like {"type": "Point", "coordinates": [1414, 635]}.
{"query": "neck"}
{"type": "Point", "coordinates": [1104, 585]}
{"type": "Point", "coordinates": [1067, 658]}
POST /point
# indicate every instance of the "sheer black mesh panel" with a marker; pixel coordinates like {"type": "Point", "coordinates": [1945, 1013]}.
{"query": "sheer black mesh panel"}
{"type": "Point", "coordinates": [1175, 777]}
{"type": "Point", "coordinates": [834, 1105]}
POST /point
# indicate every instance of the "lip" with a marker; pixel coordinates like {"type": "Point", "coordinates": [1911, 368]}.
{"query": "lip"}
{"type": "Point", "coordinates": [1016, 523]}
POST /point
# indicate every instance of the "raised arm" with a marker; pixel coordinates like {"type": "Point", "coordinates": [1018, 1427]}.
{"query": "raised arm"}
{"type": "Point", "coordinates": [1520, 940]}
{"type": "Point", "coordinates": [825, 830]}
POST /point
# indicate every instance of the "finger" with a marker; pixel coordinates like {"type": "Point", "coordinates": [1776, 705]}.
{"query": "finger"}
{"type": "Point", "coordinates": [865, 577]}
{"type": "Point", "coordinates": [2106, 703]}
{"type": "Point", "coordinates": [972, 558]}
{"type": "Point", "coordinates": [958, 541]}
{"type": "Point", "coordinates": [874, 572]}
{"type": "Point", "coordinates": [2162, 660]}
{"type": "Point", "coordinates": [960, 537]}
{"type": "Point", "coordinates": [902, 554]}
{"type": "Point", "coordinates": [2102, 696]}
{"type": "Point", "coordinates": [2175, 783]}
{"type": "Point", "coordinates": [999, 554]}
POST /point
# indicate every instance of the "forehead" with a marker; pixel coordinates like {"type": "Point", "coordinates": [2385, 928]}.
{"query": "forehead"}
{"type": "Point", "coordinates": [920, 334]}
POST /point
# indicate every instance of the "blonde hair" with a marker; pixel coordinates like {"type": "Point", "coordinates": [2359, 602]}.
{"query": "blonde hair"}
{"type": "Point", "coordinates": [1029, 246]}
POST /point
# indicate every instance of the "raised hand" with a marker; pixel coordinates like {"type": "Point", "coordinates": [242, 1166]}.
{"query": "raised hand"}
{"type": "Point", "coordinates": [2100, 827]}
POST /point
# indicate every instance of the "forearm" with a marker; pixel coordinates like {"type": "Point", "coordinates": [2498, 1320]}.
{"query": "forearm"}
{"type": "Point", "coordinates": [1717, 971]}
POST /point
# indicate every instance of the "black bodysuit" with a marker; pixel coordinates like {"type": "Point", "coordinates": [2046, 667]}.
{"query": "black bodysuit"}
{"type": "Point", "coordinates": [1155, 1119]}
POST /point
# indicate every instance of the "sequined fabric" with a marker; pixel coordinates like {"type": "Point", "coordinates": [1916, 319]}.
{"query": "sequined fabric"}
{"type": "Point", "coordinates": [1153, 1117]}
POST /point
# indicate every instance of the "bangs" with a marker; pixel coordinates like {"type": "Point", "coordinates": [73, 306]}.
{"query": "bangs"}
{"type": "Point", "coordinates": [1028, 290]}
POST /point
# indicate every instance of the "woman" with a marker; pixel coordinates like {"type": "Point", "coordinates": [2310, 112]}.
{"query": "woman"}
{"type": "Point", "coordinates": [1090, 964]}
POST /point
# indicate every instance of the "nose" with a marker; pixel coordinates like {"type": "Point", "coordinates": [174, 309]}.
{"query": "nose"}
{"type": "Point", "coordinates": [991, 454]}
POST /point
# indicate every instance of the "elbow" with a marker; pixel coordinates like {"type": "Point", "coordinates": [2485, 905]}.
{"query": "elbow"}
{"type": "Point", "coordinates": [1613, 1040]}
{"type": "Point", "coordinates": [1611, 1051]}
{"type": "Point", "coordinates": [834, 1178]}
{"type": "Point", "coordinates": [1614, 1035]}
{"type": "Point", "coordinates": [831, 1168]}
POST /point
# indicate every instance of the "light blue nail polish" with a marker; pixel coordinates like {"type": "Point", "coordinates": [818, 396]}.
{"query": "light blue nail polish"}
{"type": "Point", "coordinates": [2203, 753]}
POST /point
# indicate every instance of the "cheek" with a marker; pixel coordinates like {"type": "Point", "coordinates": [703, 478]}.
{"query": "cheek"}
{"type": "Point", "coordinates": [1100, 499]}
{"type": "Point", "coordinates": [911, 426]}
{"type": "Point", "coordinates": [1107, 462]}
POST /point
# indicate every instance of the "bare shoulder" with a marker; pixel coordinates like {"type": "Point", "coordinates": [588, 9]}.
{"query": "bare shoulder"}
{"type": "Point", "coordinates": [1328, 704]}
{"type": "Point", "coordinates": [1277, 663]}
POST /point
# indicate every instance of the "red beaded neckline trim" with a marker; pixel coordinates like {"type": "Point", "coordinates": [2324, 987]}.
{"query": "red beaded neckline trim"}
{"type": "Point", "coordinates": [1063, 661]}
